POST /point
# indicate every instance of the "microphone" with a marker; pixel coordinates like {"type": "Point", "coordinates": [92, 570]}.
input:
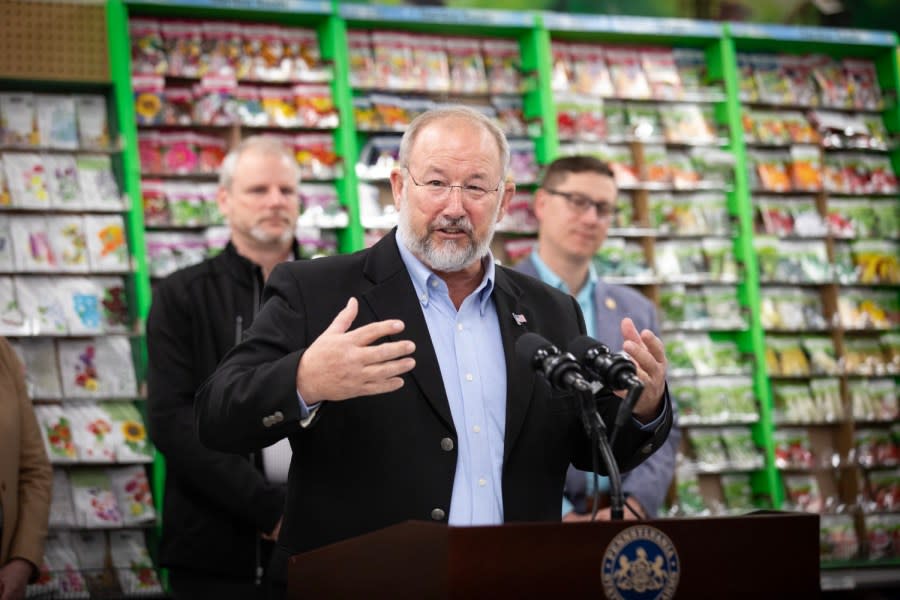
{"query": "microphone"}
{"type": "Point", "coordinates": [559, 368]}
{"type": "Point", "coordinates": [614, 370]}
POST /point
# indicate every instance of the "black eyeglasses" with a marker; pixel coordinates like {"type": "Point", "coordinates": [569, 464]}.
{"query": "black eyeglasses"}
{"type": "Point", "coordinates": [440, 189]}
{"type": "Point", "coordinates": [581, 203]}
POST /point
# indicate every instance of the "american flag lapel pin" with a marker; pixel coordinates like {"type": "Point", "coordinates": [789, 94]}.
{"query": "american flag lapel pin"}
{"type": "Point", "coordinates": [519, 319]}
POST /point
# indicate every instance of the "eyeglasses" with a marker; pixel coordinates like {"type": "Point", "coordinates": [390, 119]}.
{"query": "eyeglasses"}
{"type": "Point", "coordinates": [580, 204]}
{"type": "Point", "coordinates": [439, 189]}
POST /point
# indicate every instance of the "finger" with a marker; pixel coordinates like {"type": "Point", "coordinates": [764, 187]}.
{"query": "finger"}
{"type": "Point", "coordinates": [654, 345]}
{"type": "Point", "coordinates": [629, 331]}
{"type": "Point", "coordinates": [383, 386]}
{"type": "Point", "coordinates": [367, 334]}
{"type": "Point", "coordinates": [642, 357]}
{"type": "Point", "coordinates": [387, 370]}
{"type": "Point", "coordinates": [387, 351]}
{"type": "Point", "coordinates": [344, 319]}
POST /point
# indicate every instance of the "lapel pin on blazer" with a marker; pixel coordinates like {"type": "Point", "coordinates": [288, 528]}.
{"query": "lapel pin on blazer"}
{"type": "Point", "coordinates": [610, 303]}
{"type": "Point", "coordinates": [519, 319]}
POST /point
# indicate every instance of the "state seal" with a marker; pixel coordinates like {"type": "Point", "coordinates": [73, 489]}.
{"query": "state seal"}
{"type": "Point", "coordinates": [640, 563]}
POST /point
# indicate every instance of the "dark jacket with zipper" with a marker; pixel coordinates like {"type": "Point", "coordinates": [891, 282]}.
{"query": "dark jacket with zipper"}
{"type": "Point", "coordinates": [215, 503]}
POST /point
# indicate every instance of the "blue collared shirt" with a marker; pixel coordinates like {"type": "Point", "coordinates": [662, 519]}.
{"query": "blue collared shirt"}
{"type": "Point", "coordinates": [585, 296]}
{"type": "Point", "coordinates": [469, 351]}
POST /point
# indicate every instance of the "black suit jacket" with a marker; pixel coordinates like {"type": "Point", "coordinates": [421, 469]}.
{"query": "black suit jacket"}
{"type": "Point", "coordinates": [369, 462]}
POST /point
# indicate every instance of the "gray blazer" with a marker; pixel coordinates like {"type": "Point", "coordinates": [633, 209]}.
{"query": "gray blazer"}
{"type": "Point", "coordinates": [649, 481]}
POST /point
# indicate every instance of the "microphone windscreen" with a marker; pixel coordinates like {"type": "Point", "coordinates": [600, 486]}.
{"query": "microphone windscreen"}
{"type": "Point", "coordinates": [529, 344]}
{"type": "Point", "coordinates": [580, 345]}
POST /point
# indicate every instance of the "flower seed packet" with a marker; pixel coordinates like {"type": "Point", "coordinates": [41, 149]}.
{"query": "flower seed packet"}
{"type": "Point", "coordinates": [18, 120]}
{"type": "Point", "coordinates": [12, 319]}
{"type": "Point", "coordinates": [131, 434]}
{"type": "Point", "coordinates": [43, 304]}
{"type": "Point", "coordinates": [93, 129]}
{"type": "Point", "coordinates": [62, 181]}
{"type": "Point", "coordinates": [62, 512]}
{"type": "Point", "coordinates": [97, 368]}
{"type": "Point", "coordinates": [95, 502]}
{"type": "Point", "coordinates": [98, 182]}
{"type": "Point", "coordinates": [131, 561]}
{"type": "Point", "coordinates": [27, 179]}
{"type": "Point", "coordinates": [63, 566]}
{"type": "Point", "coordinates": [107, 245]}
{"type": "Point", "coordinates": [83, 299]}
{"type": "Point", "coordinates": [68, 243]}
{"type": "Point", "coordinates": [93, 432]}
{"type": "Point", "coordinates": [31, 245]}
{"type": "Point", "coordinates": [57, 432]}
{"type": "Point", "coordinates": [132, 490]}
{"type": "Point", "coordinates": [56, 121]}
{"type": "Point", "coordinates": [7, 262]}
{"type": "Point", "coordinates": [114, 315]}
{"type": "Point", "coordinates": [41, 369]}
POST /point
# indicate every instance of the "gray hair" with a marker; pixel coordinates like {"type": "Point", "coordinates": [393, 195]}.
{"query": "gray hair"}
{"type": "Point", "coordinates": [454, 112]}
{"type": "Point", "coordinates": [264, 144]}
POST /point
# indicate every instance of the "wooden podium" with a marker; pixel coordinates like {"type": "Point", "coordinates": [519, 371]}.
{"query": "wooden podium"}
{"type": "Point", "coordinates": [763, 555]}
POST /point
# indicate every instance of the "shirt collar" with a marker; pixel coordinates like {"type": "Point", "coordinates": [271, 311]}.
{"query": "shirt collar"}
{"type": "Point", "coordinates": [550, 278]}
{"type": "Point", "coordinates": [424, 279]}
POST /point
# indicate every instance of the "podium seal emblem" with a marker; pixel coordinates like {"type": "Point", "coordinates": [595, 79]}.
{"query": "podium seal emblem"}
{"type": "Point", "coordinates": [640, 563]}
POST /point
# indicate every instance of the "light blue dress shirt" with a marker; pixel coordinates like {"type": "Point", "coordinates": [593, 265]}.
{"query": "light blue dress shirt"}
{"type": "Point", "coordinates": [469, 351]}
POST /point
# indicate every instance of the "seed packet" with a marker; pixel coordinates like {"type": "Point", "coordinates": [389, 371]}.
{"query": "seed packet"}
{"type": "Point", "coordinates": [214, 100]}
{"type": "Point", "coordinates": [628, 77]}
{"type": "Point", "coordinates": [890, 345]}
{"type": "Point", "coordinates": [187, 207]}
{"type": "Point", "coordinates": [43, 304]}
{"type": "Point", "coordinates": [114, 315]}
{"type": "Point", "coordinates": [278, 104]}
{"type": "Point", "coordinates": [148, 54]}
{"type": "Point", "coordinates": [773, 87]}
{"type": "Point", "coordinates": [7, 260]}
{"type": "Point", "coordinates": [685, 174]}
{"type": "Point", "coordinates": [97, 368]}
{"type": "Point", "coordinates": [82, 304]}
{"type": "Point", "coordinates": [62, 512]}
{"type": "Point", "coordinates": [209, 192]}
{"type": "Point", "coordinates": [302, 49]}
{"type": "Point", "coordinates": [686, 124]}
{"type": "Point", "coordinates": [315, 107]}
{"type": "Point", "coordinates": [467, 73]}
{"type": "Point", "coordinates": [875, 448]}
{"type": "Point", "coordinates": [791, 360]}
{"type": "Point", "coordinates": [93, 128]}
{"type": "Point", "coordinates": [31, 245]}
{"type": "Point", "coordinates": [42, 378]}
{"type": "Point", "coordinates": [132, 444]}
{"type": "Point", "coordinates": [826, 395]}
{"type": "Point", "coordinates": [99, 189]}
{"type": "Point", "coordinates": [724, 308]}
{"type": "Point", "coordinates": [799, 129]}
{"type": "Point", "coordinates": [93, 433]}
{"type": "Point", "coordinates": [656, 166]}
{"type": "Point", "coordinates": [511, 115]}
{"type": "Point", "coordinates": [770, 171]}
{"type": "Point", "coordinates": [392, 58]}
{"type": "Point", "coordinates": [107, 244]}
{"type": "Point", "coordinates": [662, 74]}
{"type": "Point", "coordinates": [155, 202]}
{"type": "Point", "coordinates": [590, 75]}
{"type": "Point", "coordinates": [132, 564]}
{"type": "Point", "coordinates": [562, 76]}
{"type": "Point", "coordinates": [321, 207]}
{"type": "Point", "coordinates": [691, 65]}
{"type": "Point", "coordinates": [793, 449]}
{"type": "Point", "coordinates": [690, 500]}
{"type": "Point", "coordinates": [222, 48]}
{"type": "Point", "coordinates": [18, 120]}
{"type": "Point", "coordinates": [747, 82]}
{"type": "Point", "coordinates": [28, 180]}
{"type": "Point", "coordinates": [56, 119]}
{"type": "Point", "coordinates": [822, 357]}
{"type": "Point", "coordinates": [877, 261]}
{"type": "Point", "coordinates": [863, 356]}
{"type": "Point", "coordinates": [837, 538]}
{"type": "Point", "coordinates": [132, 491]}
{"type": "Point", "coordinates": [803, 493]}
{"type": "Point", "coordinates": [829, 75]}
{"type": "Point", "coordinates": [68, 244]}
{"type": "Point", "coordinates": [182, 41]}
{"type": "Point", "coordinates": [580, 118]}
{"type": "Point", "coordinates": [886, 219]}
{"type": "Point", "coordinates": [644, 121]}
{"type": "Point", "coordinates": [715, 166]}
{"type": "Point", "coordinates": [12, 319]}
{"type": "Point", "coordinates": [429, 66]}
{"type": "Point", "coordinates": [741, 450]}
{"type": "Point", "coordinates": [882, 536]}
{"type": "Point", "coordinates": [884, 489]}
{"type": "Point", "coordinates": [708, 450]}
{"type": "Point", "coordinates": [62, 181]}
{"type": "Point", "coordinates": [618, 258]}
{"type": "Point", "coordinates": [57, 433]}
{"type": "Point", "coordinates": [874, 400]}
{"type": "Point", "coordinates": [63, 567]}
{"type": "Point", "coordinates": [362, 62]}
{"type": "Point", "coordinates": [864, 90]}
{"type": "Point", "coordinates": [523, 163]}
{"type": "Point", "coordinates": [775, 215]}
{"type": "Point", "coordinates": [868, 309]}
{"type": "Point", "coordinates": [793, 403]}
{"type": "Point", "coordinates": [806, 168]}
{"type": "Point", "coordinates": [737, 493]}
{"type": "Point", "coordinates": [95, 502]}
{"type": "Point", "coordinates": [797, 72]}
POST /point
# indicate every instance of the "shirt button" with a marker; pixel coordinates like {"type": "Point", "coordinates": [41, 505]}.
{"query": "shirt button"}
{"type": "Point", "coordinates": [476, 429]}
{"type": "Point", "coordinates": [437, 514]}
{"type": "Point", "coordinates": [482, 482]}
{"type": "Point", "coordinates": [423, 297]}
{"type": "Point", "coordinates": [434, 283]}
{"type": "Point", "coordinates": [469, 377]}
{"type": "Point", "coordinates": [447, 444]}
{"type": "Point", "coordinates": [459, 327]}
{"type": "Point", "coordinates": [647, 449]}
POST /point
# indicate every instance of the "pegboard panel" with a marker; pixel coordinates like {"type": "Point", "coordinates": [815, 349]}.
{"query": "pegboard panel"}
{"type": "Point", "coordinates": [54, 40]}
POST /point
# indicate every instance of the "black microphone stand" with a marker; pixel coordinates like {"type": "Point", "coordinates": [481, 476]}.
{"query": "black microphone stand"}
{"type": "Point", "coordinates": [596, 429]}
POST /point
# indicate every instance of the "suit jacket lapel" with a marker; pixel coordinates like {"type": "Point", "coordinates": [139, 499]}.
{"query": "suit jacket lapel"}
{"type": "Point", "coordinates": [519, 376]}
{"type": "Point", "coordinates": [394, 297]}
